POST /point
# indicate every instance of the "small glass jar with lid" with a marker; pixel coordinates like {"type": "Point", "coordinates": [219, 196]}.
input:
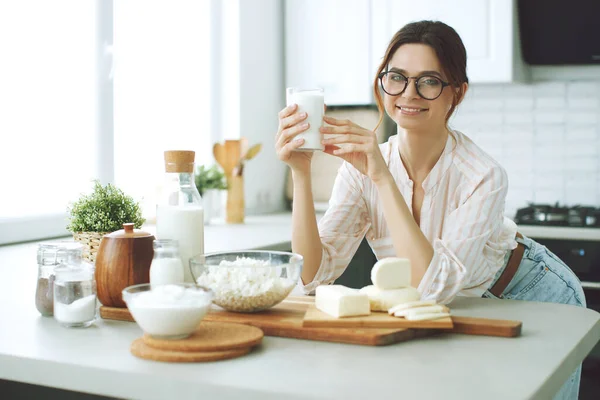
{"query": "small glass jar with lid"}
{"type": "Point", "coordinates": [166, 264]}
{"type": "Point", "coordinates": [75, 295]}
{"type": "Point", "coordinates": [51, 255]}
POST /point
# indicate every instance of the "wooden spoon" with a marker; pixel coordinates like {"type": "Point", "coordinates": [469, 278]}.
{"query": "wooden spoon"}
{"type": "Point", "coordinates": [219, 153]}
{"type": "Point", "coordinates": [249, 155]}
{"type": "Point", "coordinates": [227, 155]}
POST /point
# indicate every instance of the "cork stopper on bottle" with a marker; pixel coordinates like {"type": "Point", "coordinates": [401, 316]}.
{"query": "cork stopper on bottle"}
{"type": "Point", "coordinates": [179, 160]}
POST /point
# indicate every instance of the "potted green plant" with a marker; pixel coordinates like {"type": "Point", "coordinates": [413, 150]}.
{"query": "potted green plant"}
{"type": "Point", "coordinates": [103, 211]}
{"type": "Point", "coordinates": [209, 182]}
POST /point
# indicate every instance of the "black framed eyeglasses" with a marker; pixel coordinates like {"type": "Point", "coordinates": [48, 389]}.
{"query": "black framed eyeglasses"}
{"type": "Point", "coordinates": [428, 87]}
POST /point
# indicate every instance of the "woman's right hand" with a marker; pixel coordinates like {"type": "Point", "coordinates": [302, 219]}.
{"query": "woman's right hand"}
{"type": "Point", "coordinates": [291, 123]}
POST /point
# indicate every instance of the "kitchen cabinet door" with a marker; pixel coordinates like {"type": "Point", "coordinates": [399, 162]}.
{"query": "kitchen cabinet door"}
{"type": "Point", "coordinates": [327, 45]}
{"type": "Point", "coordinates": [488, 29]}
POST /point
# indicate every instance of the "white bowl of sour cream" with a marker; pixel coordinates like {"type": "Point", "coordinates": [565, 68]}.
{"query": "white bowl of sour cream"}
{"type": "Point", "coordinates": [171, 311]}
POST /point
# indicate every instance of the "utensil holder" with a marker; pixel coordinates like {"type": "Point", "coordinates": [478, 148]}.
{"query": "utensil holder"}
{"type": "Point", "coordinates": [235, 200]}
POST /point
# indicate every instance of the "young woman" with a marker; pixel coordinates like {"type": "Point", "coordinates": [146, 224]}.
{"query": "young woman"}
{"type": "Point", "coordinates": [428, 194]}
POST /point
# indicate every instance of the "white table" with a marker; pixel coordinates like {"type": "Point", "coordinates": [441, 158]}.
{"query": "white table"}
{"type": "Point", "coordinates": [36, 350]}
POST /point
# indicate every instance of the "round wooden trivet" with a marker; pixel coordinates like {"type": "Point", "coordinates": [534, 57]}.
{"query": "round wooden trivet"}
{"type": "Point", "coordinates": [141, 350]}
{"type": "Point", "coordinates": [211, 336]}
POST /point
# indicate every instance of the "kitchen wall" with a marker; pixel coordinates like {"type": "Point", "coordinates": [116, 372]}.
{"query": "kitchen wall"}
{"type": "Point", "coordinates": [253, 103]}
{"type": "Point", "coordinates": [545, 133]}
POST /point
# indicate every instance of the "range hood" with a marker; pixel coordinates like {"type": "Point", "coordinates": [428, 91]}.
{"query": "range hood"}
{"type": "Point", "coordinates": [557, 32]}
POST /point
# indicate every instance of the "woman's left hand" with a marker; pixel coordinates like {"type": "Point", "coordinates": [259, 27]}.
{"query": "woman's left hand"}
{"type": "Point", "coordinates": [360, 147]}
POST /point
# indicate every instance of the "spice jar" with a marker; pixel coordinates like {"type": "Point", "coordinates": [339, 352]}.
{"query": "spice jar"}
{"type": "Point", "coordinates": [49, 256]}
{"type": "Point", "coordinates": [75, 295]}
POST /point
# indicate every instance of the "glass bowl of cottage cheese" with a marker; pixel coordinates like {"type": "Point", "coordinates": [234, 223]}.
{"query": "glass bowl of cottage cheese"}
{"type": "Point", "coordinates": [247, 281]}
{"type": "Point", "coordinates": [170, 311]}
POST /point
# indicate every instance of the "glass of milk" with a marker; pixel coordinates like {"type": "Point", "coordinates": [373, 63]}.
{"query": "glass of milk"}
{"type": "Point", "coordinates": [312, 102]}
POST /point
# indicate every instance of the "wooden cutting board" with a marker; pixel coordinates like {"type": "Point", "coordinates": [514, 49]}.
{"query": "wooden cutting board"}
{"type": "Point", "coordinates": [285, 320]}
{"type": "Point", "coordinates": [465, 325]}
{"type": "Point", "coordinates": [316, 318]}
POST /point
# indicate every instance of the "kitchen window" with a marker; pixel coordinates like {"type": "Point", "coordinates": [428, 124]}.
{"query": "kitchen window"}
{"type": "Point", "coordinates": [99, 89]}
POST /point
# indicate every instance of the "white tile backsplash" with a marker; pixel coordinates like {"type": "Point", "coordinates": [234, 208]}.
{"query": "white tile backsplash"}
{"type": "Point", "coordinates": [545, 89]}
{"type": "Point", "coordinates": [519, 103]}
{"type": "Point", "coordinates": [549, 103]}
{"type": "Point", "coordinates": [518, 117]}
{"type": "Point", "coordinates": [584, 103]}
{"type": "Point", "coordinates": [546, 135]}
{"type": "Point", "coordinates": [575, 150]}
{"type": "Point", "coordinates": [583, 117]}
{"type": "Point", "coordinates": [549, 116]}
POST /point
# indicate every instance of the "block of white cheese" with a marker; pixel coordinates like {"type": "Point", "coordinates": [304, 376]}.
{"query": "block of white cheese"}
{"type": "Point", "coordinates": [383, 300]}
{"type": "Point", "coordinates": [341, 301]}
{"type": "Point", "coordinates": [391, 273]}
{"type": "Point", "coordinates": [438, 308]}
{"type": "Point", "coordinates": [411, 304]}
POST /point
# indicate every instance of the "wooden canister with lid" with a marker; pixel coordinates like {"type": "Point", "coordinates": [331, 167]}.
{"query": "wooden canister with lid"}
{"type": "Point", "coordinates": [124, 258]}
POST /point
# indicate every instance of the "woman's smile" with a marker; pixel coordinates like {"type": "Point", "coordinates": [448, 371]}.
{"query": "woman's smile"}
{"type": "Point", "coordinates": [411, 111]}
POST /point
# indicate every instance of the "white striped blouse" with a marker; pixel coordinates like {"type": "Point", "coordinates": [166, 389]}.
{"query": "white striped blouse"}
{"type": "Point", "coordinates": [462, 216]}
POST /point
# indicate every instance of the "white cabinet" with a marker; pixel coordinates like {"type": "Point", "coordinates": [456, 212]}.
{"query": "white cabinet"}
{"type": "Point", "coordinates": [488, 29]}
{"type": "Point", "coordinates": [338, 44]}
{"type": "Point", "coordinates": [327, 44]}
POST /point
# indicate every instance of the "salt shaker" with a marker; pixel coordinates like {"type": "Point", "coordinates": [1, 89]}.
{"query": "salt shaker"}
{"type": "Point", "coordinates": [75, 295]}
{"type": "Point", "coordinates": [166, 264]}
{"type": "Point", "coordinates": [49, 256]}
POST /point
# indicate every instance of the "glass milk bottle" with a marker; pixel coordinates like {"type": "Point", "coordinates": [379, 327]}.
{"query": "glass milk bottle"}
{"type": "Point", "coordinates": [166, 264]}
{"type": "Point", "coordinates": [179, 212]}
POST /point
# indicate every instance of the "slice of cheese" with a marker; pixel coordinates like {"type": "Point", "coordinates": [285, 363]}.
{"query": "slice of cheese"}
{"type": "Point", "coordinates": [391, 273]}
{"type": "Point", "coordinates": [422, 317]}
{"type": "Point", "coordinates": [420, 310]}
{"type": "Point", "coordinates": [341, 301]}
{"type": "Point", "coordinates": [412, 304]}
{"type": "Point", "coordinates": [383, 300]}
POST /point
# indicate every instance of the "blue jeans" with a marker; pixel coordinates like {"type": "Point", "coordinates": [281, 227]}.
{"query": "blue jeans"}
{"type": "Point", "coordinates": [542, 276]}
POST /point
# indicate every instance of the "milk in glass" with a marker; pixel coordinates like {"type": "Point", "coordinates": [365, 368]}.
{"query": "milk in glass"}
{"type": "Point", "coordinates": [312, 102]}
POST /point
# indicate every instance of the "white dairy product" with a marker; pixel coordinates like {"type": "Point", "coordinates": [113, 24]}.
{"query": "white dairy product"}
{"type": "Point", "coordinates": [391, 273]}
{"type": "Point", "coordinates": [79, 311]}
{"type": "Point", "coordinates": [412, 304]}
{"type": "Point", "coordinates": [170, 296]}
{"type": "Point", "coordinates": [427, 316]}
{"type": "Point", "coordinates": [311, 102]}
{"type": "Point", "coordinates": [383, 300]}
{"type": "Point", "coordinates": [341, 301]}
{"type": "Point", "coordinates": [438, 308]}
{"type": "Point", "coordinates": [246, 284]}
{"type": "Point", "coordinates": [186, 225]}
{"type": "Point", "coordinates": [169, 310]}
{"type": "Point", "coordinates": [166, 270]}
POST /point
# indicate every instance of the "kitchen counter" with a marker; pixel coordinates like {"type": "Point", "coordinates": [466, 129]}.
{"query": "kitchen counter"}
{"type": "Point", "coordinates": [560, 232]}
{"type": "Point", "coordinates": [36, 350]}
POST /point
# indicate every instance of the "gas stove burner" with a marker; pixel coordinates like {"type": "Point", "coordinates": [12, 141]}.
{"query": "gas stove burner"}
{"type": "Point", "coordinates": [555, 215]}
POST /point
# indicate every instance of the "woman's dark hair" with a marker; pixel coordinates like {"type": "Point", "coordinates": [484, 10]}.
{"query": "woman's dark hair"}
{"type": "Point", "coordinates": [448, 47]}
